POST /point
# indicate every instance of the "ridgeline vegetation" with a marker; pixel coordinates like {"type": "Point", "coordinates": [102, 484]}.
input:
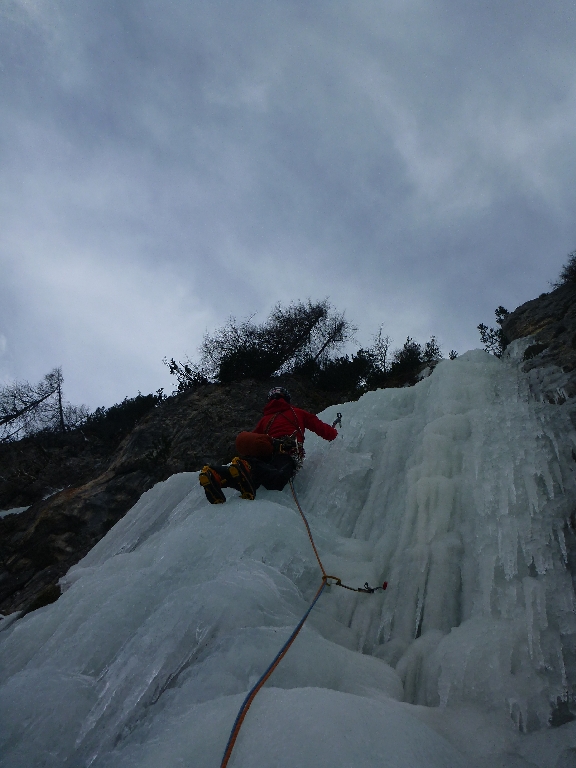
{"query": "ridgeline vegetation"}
{"type": "Point", "coordinates": [304, 339]}
{"type": "Point", "coordinates": [568, 272]}
{"type": "Point", "coordinates": [28, 410]}
{"type": "Point", "coordinates": [117, 421]}
{"type": "Point", "coordinates": [494, 339]}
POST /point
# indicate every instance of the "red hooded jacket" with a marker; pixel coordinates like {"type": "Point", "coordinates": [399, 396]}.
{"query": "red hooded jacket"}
{"type": "Point", "coordinates": [291, 421]}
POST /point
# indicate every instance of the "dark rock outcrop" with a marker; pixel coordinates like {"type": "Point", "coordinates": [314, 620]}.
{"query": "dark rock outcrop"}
{"type": "Point", "coordinates": [37, 467]}
{"type": "Point", "coordinates": [181, 434]}
{"type": "Point", "coordinates": [551, 322]}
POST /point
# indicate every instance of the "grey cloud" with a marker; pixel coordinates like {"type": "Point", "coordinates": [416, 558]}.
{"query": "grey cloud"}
{"type": "Point", "coordinates": [412, 160]}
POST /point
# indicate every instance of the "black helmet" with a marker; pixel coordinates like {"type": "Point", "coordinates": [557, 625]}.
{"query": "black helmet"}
{"type": "Point", "coordinates": [277, 392]}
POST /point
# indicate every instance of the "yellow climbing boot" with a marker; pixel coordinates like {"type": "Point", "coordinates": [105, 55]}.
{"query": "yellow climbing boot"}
{"type": "Point", "coordinates": [241, 476]}
{"type": "Point", "coordinates": [212, 483]}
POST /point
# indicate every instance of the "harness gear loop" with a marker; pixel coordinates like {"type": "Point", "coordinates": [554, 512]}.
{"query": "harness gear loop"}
{"type": "Point", "coordinates": [286, 444]}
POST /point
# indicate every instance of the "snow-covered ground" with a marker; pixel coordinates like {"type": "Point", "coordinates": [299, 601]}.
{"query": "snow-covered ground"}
{"type": "Point", "coordinates": [14, 511]}
{"type": "Point", "coordinates": [455, 491]}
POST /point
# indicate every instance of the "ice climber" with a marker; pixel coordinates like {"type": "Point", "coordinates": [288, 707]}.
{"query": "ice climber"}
{"type": "Point", "coordinates": [270, 455]}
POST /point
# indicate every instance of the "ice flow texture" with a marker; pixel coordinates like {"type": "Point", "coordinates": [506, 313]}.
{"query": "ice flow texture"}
{"type": "Point", "coordinates": [456, 491]}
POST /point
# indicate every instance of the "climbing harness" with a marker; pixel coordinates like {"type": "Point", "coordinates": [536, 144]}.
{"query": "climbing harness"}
{"type": "Point", "coordinates": [297, 453]}
{"type": "Point", "coordinates": [327, 581]}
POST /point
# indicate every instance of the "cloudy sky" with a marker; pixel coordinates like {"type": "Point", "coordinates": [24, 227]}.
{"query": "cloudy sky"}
{"type": "Point", "coordinates": [165, 164]}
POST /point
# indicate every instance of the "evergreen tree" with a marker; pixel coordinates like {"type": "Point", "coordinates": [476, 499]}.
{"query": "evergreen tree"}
{"type": "Point", "coordinates": [494, 339]}
{"type": "Point", "coordinates": [568, 272]}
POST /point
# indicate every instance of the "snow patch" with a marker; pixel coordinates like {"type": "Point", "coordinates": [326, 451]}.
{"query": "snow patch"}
{"type": "Point", "coordinates": [14, 511]}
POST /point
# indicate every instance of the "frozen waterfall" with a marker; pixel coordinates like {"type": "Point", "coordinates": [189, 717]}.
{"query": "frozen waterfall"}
{"type": "Point", "coordinates": [456, 491]}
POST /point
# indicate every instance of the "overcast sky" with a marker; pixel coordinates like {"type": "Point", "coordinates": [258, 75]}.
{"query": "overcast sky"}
{"type": "Point", "coordinates": [167, 163]}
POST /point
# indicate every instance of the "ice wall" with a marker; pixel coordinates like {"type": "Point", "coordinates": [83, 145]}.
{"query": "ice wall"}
{"type": "Point", "coordinates": [462, 485]}
{"type": "Point", "coordinates": [455, 491]}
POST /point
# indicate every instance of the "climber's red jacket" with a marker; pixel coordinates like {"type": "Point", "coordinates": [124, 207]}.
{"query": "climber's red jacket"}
{"type": "Point", "coordinates": [291, 421]}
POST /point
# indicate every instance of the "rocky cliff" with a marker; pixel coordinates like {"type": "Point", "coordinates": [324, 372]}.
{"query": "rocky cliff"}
{"type": "Point", "coordinates": [547, 327]}
{"type": "Point", "coordinates": [181, 434]}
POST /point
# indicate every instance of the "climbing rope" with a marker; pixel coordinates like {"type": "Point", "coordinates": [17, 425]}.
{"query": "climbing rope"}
{"type": "Point", "coordinates": [334, 580]}
{"type": "Point", "coordinates": [326, 581]}
{"type": "Point", "coordinates": [252, 694]}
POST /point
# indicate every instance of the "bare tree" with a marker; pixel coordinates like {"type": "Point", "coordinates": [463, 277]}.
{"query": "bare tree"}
{"type": "Point", "coordinates": [379, 349]}
{"type": "Point", "coordinates": [329, 334]}
{"type": "Point", "coordinates": [26, 409]}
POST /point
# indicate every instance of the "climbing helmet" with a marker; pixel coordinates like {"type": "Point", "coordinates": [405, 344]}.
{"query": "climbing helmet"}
{"type": "Point", "coordinates": [277, 392]}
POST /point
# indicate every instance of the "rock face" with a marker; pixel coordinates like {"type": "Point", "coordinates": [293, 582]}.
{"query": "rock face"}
{"type": "Point", "coordinates": [37, 467]}
{"type": "Point", "coordinates": [181, 434]}
{"type": "Point", "coordinates": [550, 324]}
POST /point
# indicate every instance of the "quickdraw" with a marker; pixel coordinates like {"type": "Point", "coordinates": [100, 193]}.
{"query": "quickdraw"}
{"type": "Point", "coordinates": [337, 582]}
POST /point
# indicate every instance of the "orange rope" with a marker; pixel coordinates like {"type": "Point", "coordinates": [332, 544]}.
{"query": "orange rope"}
{"type": "Point", "coordinates": [252, 694]}
{"type": "Point", "coordinates": [335, 580]}
{"type": "Point", "coordinates": [308, 529]}
{"type": "Point", "coordinates": [326, 581]}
